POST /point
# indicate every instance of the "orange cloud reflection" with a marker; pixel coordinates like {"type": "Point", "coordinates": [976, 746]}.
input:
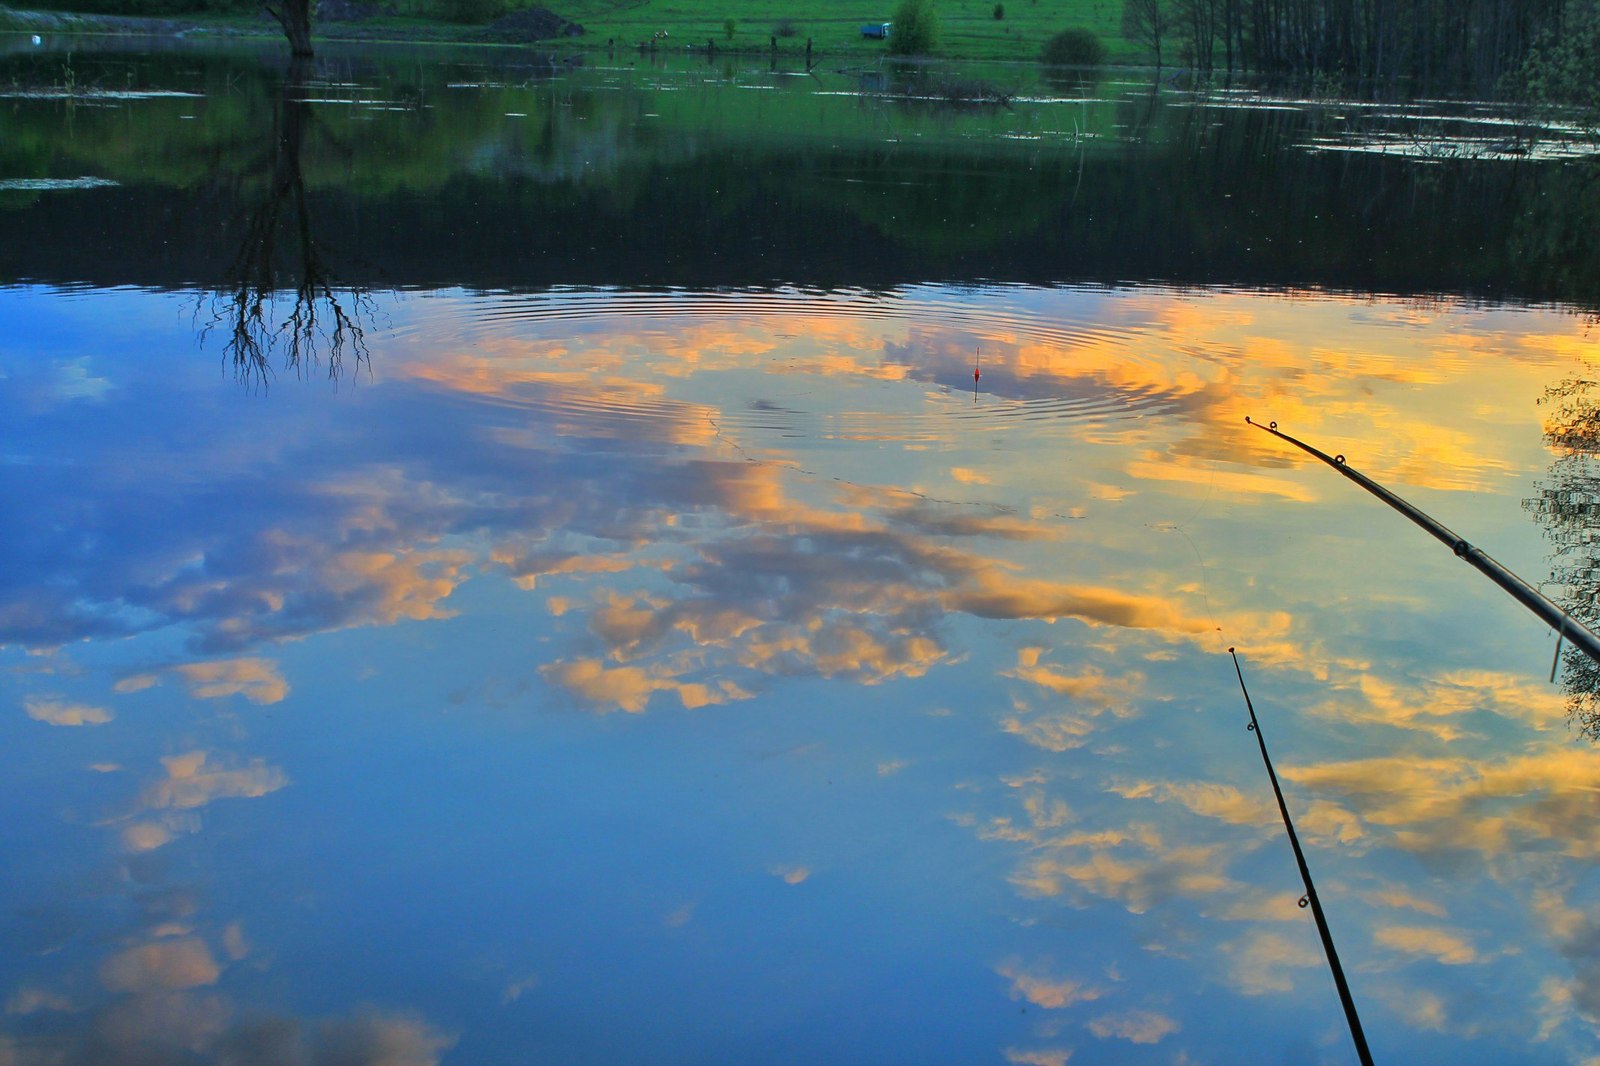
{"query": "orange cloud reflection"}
{"type": "Point", "coordinates": [1494, 808]}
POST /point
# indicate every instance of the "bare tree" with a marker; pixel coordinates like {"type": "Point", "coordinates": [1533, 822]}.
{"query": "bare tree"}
{"type": "Point", "coordinates": [1147, 22]}
{"type": "Point", "coordinates": [1197, 27]}
{"type": "Point", "coordinates": [279, 262]}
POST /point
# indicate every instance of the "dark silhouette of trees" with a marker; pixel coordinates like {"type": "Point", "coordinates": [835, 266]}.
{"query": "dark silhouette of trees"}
{"type": "Point", "coordinates": [1463, 42]}
{"type": "Point", "coordinates": [1560, 71]}
{"type": "Point", "coordinates": [1197, 27]}
{"type": "Point", "coordinates": [1568, 507]}
{"type": "Point", "coordinates": [1147, 23]}
{"type": "Point", "coordinates": [279, 261]}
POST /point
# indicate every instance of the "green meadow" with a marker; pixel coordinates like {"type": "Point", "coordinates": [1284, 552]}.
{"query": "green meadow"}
{"type": "Point", "coordinates": [969, 29]}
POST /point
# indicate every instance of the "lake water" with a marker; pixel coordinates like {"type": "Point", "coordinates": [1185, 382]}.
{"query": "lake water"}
{"type": "Point", "coordinates": [507, 561]}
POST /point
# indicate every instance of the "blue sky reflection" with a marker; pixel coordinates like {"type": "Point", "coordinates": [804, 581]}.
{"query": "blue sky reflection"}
{"type": "Point", "coordinates": [618, 676]}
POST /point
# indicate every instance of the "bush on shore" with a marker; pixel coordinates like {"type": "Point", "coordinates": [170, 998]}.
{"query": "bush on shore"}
{"type": "Point", "coordinates": [1076, 47]}
{"type": "Point", "coordinates": [915, 29]}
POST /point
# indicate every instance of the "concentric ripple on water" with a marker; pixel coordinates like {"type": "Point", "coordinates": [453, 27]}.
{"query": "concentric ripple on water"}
{"type": "Point", "coordinates": [776, 361]}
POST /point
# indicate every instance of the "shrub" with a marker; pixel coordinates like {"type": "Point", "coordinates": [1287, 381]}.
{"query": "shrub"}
{"type": "Point", "coordinates": [1076, 47]}
{"type": "Point", "coordinates": [785, 28]}
{"type": "Point", "coordinates": [957, 90]}
{"type": "Point", "coordinates": [729, 26]}
{"type": "Point", "coordinates": [916, 28]}
{"type": "Point", "coordinates": [999, 12]}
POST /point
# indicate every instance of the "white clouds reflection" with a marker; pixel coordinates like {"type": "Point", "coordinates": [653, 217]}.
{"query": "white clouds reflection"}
{"type": "Point", "coordinates": [157, 1029]}
{"type": "Point", "coordinates": [645, 542]}
{"type": "Point", "coordinates": [163, 966]}
{"type": "Point", "coordinates": [1035, 985]}
{"type": "Point", "coordinates": [1038, 1056]}
{"type": "Point", "coordinates": [257, 679]}
{"type": "Point", "coordinates": [163, 991]}
{"type": "Point", "coordinates": [1139, 1026]}
{"type": "Point", "coordinates": [195, 779]}
{"type": "Point", "coordinates": [55, 711]}
{"type": "Point", "coordinates": [1492, 807]}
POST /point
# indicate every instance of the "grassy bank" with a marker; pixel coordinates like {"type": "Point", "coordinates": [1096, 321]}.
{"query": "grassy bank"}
{"type": "Point", "coordinates": [969, 28]}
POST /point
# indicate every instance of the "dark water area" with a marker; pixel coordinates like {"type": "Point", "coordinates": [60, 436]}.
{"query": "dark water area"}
{"type": "Point", "coordinates": [588, 186]}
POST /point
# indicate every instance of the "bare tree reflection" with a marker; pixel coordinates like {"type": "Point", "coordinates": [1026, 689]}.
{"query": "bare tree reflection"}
{"type": "Point", "coordinates": [279, 262]}
{"type": "Point", "coordinates": [1568, 507]}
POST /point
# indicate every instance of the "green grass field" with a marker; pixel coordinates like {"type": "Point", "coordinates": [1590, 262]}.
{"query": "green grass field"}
{"type": "Point", "coordinates": [968, 28]}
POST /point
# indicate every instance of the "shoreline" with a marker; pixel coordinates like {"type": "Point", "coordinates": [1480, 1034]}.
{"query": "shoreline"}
{"type": "Point", "coordinates": [390, 30]}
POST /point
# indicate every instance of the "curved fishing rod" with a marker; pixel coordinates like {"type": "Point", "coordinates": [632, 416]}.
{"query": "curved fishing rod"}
{"type": "Point", "coordinates": [1567, 627]}
{"type": "Point", "coordinates": [1310, 898]}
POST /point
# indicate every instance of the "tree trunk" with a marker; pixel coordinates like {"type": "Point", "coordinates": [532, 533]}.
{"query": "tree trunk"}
{"type": "Point", "coordinates": [295, 18]}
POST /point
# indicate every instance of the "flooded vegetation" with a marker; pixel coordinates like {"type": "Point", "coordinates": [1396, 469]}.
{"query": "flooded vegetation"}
{"type": "Point", "coordinates": [511, 561]}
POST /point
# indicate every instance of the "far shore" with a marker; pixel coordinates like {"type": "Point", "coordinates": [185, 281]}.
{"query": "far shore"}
{"type": "Point", "coordinates": [635, 30]}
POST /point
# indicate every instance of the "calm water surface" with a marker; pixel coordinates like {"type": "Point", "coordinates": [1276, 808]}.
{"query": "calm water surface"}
{"type": "Point", "coordinates": [758, 587]}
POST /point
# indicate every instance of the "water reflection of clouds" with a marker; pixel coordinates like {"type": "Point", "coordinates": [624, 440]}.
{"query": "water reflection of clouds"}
{"type": "Point", "coordinates": [1451, 809]}
{"type": "Point", "coordinates": [56, 711]}
{"type": "Point", "coordinates": [257, 680]}
{"type": "Point", "coordinates": [687, 556]}
{"type": "Point", "coordinates": [165, 1025]}
{"type": "Point", "coordinates": [356, 587]}
{"type": "Point", "coordinates": [1207, 358]}
{"type": "Point", "coordinates": [159, 994]}
{"type": "Point", "coordinates": [1506, 819]}
{"type": "Point", "coordinates": [235, 582]}
{"type": "Point", "coordinates": [799, 594]}
{"type": "Point", "coordinates": [1440, 705]}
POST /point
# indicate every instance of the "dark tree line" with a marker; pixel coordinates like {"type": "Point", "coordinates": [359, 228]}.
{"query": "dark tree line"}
{"type": "Point", "coordinates": [1468, 42]}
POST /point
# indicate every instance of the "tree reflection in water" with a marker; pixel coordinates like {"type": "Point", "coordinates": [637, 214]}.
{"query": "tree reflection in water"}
{"type": "Point", "coordinates": [322, 324]}
{"type": "Point", "coordinates": [1568, 507]}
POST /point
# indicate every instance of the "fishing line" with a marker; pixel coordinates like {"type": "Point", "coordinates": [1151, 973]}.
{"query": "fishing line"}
{"type": "Point", "coordinates": [1177, 527]}
{"type": "Point", "coordinates": [1310, 898]}
{"type": "Point", "coordinates": [1205, 585]}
